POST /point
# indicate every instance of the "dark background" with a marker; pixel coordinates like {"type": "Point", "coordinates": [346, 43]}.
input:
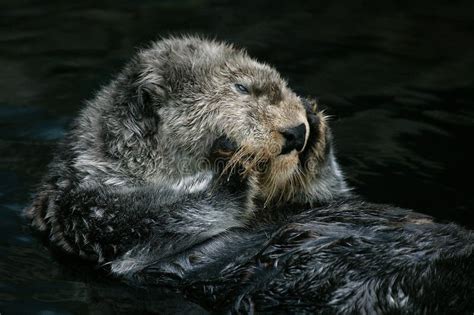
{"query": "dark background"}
{"type": "Point", "coordinates": [398, 80]}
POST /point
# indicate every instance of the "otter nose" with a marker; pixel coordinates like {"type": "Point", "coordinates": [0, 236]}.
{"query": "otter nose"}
{"type": "Point", "coordinates": [294, 138]}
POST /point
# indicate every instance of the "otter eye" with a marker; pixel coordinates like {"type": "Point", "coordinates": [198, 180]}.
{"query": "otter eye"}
{"type": "Point", "coordinates": [241, 88]}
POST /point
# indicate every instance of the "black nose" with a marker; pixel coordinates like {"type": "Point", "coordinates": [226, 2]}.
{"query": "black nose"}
{"type": "Point", "coordinates": [294, 138]}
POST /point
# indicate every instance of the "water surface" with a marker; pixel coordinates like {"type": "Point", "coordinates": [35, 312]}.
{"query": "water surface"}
{"type": "Point", "coordinates": [398, 81]}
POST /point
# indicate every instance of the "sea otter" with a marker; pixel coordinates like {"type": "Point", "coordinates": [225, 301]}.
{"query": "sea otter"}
{"type": "Point", "coordinates": [198, 168]}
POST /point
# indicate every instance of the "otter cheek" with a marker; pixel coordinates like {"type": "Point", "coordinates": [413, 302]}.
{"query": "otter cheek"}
{"type": "Point", "coordinates": [283, 168]}
{"type": "Point", "coordinates": [252, 137]}
{"type": "Point", "coordinates": [275, 143]}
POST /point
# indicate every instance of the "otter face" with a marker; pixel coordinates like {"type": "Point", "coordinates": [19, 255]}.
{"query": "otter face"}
{"type": "Point", "coordinates": [278, 134]}
{"type": "Point", "coordinates": [260, 113]}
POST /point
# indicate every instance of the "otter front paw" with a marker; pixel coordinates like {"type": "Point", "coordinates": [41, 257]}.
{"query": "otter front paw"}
{"type": "Point", "coordinates": [312, 115]}
{"type": "Point", "coordinates": [316, 141]}
{"type": "Point", "coordinates": [223, 148]}
{"type": "Point", "coordinates": [221, 155]}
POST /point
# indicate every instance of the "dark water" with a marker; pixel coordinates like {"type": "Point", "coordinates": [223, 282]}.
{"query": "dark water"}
{"type": "Point", "coordinates": [398, 80]}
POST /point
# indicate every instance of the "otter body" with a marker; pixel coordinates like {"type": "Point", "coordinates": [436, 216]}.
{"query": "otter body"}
{"type": "Point", "coordinates": [199, 169]}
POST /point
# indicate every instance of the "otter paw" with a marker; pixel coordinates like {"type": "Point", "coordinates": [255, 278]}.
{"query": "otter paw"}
{"type": "Point", "coordinates": [313, 119]}
{"type": "Point", "coordinates": [222, 152]}
{"type": "Point", "coordinates": [223, 148]}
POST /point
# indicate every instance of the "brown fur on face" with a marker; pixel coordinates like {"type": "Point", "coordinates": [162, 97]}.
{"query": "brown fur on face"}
{"type": "Point", "coordinates": [280, 177]}
{"type": "Point", "coordinates": [287, 175]}
{"type": "Point", "coordinates": [256, 119]}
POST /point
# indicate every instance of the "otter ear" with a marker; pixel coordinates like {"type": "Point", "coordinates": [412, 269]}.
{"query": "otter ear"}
{"type": "Point", "coordinates": [145, 99]}
{"type": "Point", "coordinates": [131, 123]}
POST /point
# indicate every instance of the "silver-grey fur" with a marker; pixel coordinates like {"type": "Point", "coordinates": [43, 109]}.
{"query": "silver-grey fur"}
{"type": "Point", "coordinates": [159, 182]}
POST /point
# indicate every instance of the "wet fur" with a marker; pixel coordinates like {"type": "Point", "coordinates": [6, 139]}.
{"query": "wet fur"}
{"type": "Point", "coordinates": [127, 190]}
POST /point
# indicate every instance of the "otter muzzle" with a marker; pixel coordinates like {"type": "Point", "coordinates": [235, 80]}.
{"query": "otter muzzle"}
{"type": "Point", "coordinates": [295, 138]}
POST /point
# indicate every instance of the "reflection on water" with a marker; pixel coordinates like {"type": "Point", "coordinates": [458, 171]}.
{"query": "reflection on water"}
{"type": "Point", "coordinates": [397, 80]}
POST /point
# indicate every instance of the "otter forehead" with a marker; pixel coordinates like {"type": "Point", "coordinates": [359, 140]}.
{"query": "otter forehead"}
{"type": "Point", "coordinates": [196, 62]}
{"type": "Point", "coordinates": [260, 79]}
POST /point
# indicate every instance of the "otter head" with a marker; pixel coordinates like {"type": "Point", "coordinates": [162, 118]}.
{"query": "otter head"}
{"type": "Point", "coordinates": [188, 92]}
